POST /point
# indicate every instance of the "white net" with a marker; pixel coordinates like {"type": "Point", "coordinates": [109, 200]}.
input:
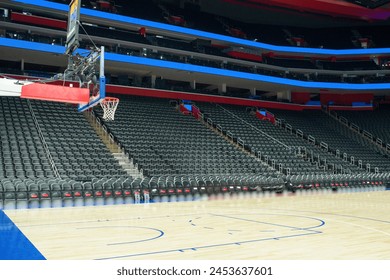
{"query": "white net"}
{"type": "Point", "coordinates": [109, 105]}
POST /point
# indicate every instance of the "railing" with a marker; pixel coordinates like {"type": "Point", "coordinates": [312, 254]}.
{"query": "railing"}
{"type": "Point", "coordinates": [311, 139]}
{"type": "Point", "coordinates": [255, 128]}
{"type": "Point", "coordinates": [289, 127]}
{"type": "Point", "coordinates": [355, 127]}
{"type": "Point", "coordinates": [219, 128]}
{"type": "Point", "coordinates": [241, 142]}
{"type": "Point", "coordinates": [343, 121]}
{"type": "Point", "coordinates": [324, 146]}
{"type": "Point", "coordinates": [299, 133]}
{"type": "Point", "coordinates": [45, 146]}
{"type": "Point", "coordinates": [363, 133]}
{"type": "Point", "coordinates": [280, 167]}
{"type": "Point", "coordinates": [367, 134]}
{"type": "Point", "coordinates": [230, 135]}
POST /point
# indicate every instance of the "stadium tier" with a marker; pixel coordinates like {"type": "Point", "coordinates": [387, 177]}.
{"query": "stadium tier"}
{"type": "Point", "coordinates": [208, 104]}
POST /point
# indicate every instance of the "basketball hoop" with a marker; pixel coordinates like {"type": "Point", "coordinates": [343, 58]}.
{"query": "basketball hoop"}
{"type": "Point", "coordinates": [109, 105]}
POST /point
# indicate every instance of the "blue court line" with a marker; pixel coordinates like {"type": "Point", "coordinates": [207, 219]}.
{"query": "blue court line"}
{"type": "Point", "coordinates": [161, 233]}
{"type": "Point", "coordinates": [308, 231]}
{"type": "Point", "coordinates": [210, 246]}
{"type": "Point", "coordinates": [339, 215]}
{"type": "Point", "coordinates": [14, 245]}
{"type": "Point", "coordinates": [203, 34]}
{"type": "Point", "coordinates": [278, 225]}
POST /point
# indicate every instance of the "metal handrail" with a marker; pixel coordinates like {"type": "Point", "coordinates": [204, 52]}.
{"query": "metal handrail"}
{"type": "Point", "coordinates": [355, 127]}
{"type": "Point", "coordinates": [255, 128]}
{"type": "Point", "coordinates": [324, 146]}
{"type": "Point", "coordinates": [111, 136]}
{"type": "Point", "coordinates": [367, 134]}
{"type": "Point", "coordinates": [241, 142]}
{"type": "Point", "coordinates": [45, 146]}
{"type": "Point", "coordinates": [289, 127]}
{"type": "Point", "coordinates": [343, 120]}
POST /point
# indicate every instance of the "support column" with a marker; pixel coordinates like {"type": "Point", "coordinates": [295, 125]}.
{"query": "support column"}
{"type": "Point", "coordinates": [222, 88]}
{"type": "Point", "coordinates": [253, 91]}
{"type": "Point", "coordinates": [193, 84]}
{"type": "Point", "coordinates": [22, 64]}
{"type": "Point", "coordinates": [284, 95]}
{"type": "Point", "coordinates": [153, 81]}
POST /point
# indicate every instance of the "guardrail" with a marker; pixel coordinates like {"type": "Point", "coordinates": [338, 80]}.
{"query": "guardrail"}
{"type": "Point", "coordinates": [354, 127]}
{"type": "Point", "coordinates": [45, 146]}
{"type": "Point", "coordinates": [255, 128]}
{"type": "Point", "coordinates": [367, 134]}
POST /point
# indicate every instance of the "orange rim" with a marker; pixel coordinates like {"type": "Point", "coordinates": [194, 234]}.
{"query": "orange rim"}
{"type": "Point", "coordinates": [110, 99]}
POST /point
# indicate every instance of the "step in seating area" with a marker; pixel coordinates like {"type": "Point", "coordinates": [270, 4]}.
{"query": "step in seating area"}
{"type": "Point", "coordinates": [77, 151]}
{"type": "Point", "coordinates": [293, 140]}
{"type": "Point", "coordinates": [339, 137]}
{"type": "Point", "coordinates": [162, 141]}
{"type": "Point", "coordinates": [259, 141]}
{"type": "Point", "coordinates": [368, 120]}
{"type": "Point", "coordinates": [182, 158]}
{"type": "Point", "coordinates": [22, 154]}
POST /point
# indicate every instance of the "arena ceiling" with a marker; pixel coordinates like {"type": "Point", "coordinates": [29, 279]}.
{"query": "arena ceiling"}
{"type": "Point", "coordinates": [303, 13]}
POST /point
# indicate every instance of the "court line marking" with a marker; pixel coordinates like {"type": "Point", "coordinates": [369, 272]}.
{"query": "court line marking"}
{"type": "Point", "coordinates": [237, 243]}
{"type": "Point", "coordinates": [322, 222]}
{"type": "Point", "coordinates": [334, 214]}
{"type": "Point", "coordinates": [161, 233]}
{"type": "Point", "coordinates": [207, 246]}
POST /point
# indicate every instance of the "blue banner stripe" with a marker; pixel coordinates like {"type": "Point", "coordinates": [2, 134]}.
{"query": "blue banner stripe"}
{"type": "Point", "coordinates": [13, 43]}
{"type": "Point", "coordinates": [206, 35]}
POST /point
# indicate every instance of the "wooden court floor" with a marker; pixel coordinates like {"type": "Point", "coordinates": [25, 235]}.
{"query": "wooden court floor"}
{"type": "Point", "coordinates": [325, 226]}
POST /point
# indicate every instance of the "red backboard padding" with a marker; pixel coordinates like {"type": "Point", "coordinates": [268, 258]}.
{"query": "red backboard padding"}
{"type": "Point", "coordinates": [56, 93]}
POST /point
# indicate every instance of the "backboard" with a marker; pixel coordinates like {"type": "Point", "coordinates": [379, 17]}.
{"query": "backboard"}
{"type": "Point", "coordinates": [97, 88]}
{"type": "Point", "coordinates": [72, 37]}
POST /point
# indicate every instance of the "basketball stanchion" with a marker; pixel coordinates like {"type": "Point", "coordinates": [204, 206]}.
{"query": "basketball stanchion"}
{"type": "Point", "coordinates": [109, 106]}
